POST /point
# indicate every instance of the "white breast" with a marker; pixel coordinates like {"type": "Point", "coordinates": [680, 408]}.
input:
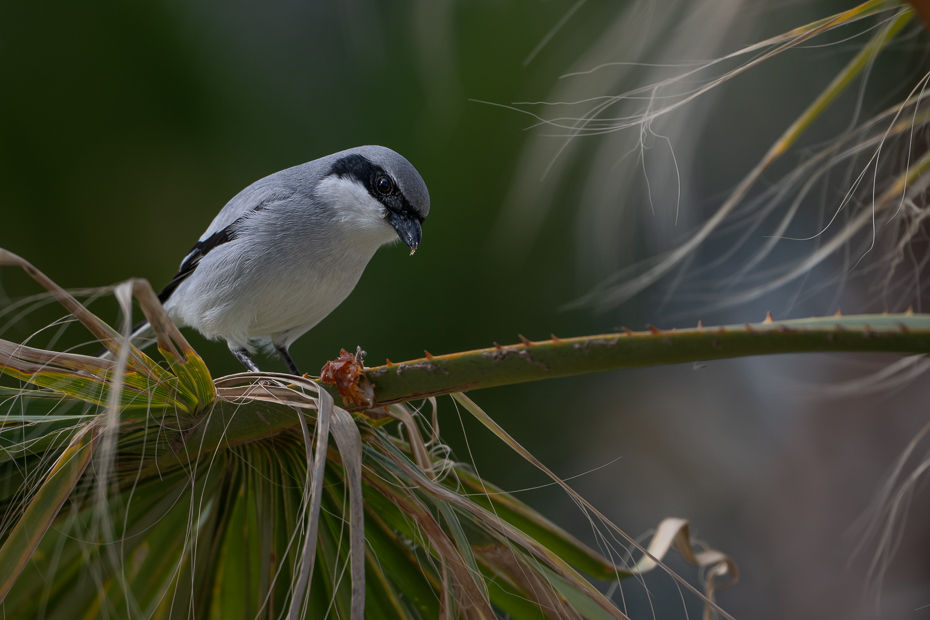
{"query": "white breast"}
{"type": "Point", "coordinates": [287, 269]}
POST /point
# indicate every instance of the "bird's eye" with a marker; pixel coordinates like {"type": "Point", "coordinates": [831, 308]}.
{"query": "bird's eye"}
{"type": "Point", "coordinates": [384, 185]}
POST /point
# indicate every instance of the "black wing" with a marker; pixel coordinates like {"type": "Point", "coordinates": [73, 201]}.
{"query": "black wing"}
{"type": "Point", "coordinates": [201, 249]}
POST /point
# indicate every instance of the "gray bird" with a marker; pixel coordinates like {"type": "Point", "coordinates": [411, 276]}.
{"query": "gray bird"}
{"type": "Point", "coordinates": [289, 248]}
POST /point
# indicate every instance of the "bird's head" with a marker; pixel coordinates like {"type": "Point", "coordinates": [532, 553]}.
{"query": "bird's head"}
{"type": "Point", "coordinates": [381, 191]}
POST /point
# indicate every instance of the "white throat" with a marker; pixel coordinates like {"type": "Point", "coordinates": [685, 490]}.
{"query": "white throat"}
{"type": "Point", "coordinates": [357, 216]}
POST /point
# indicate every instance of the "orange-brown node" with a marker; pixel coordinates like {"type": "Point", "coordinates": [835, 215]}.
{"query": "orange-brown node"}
{"type": "Point", "coordinates": [768, 318]}
{"type": "Point", "coordinates": [628, 331]}
{"type": "Point", "coordinates": [655, 331]}
{"type": "Point", "coordinates": [429, 355]}
{"type": "Point", "coordinates": [526, 341]}
{"type": "Point", "coordinates": [345, 372]}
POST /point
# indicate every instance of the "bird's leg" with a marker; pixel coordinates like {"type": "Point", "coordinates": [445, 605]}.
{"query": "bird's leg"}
{"type": "Point", "coordinates": [243, 356]}
{"type": "Point", "coordinates": [282, 351]}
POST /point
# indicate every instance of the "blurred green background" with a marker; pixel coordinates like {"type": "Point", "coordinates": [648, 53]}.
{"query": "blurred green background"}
{"type": "Point", "coordinates": [125, 127]}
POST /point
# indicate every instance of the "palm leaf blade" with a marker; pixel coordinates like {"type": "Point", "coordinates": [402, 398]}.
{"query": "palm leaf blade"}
{"type": "Point", "coordinates": [42, 510]}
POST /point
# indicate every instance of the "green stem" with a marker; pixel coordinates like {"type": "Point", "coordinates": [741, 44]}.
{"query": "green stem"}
{"type": "Point", "coordinates": [228, 424]}
{"type": "Point", "coordinates": [519, 363]}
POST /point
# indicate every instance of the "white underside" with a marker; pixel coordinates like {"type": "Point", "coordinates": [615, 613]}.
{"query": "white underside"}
{"type": "Point", "coordinates": [290, 266]}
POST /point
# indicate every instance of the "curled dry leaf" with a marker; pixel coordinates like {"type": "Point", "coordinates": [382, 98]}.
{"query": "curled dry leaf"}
{"type": "Point", "coordinates": [347, 373]}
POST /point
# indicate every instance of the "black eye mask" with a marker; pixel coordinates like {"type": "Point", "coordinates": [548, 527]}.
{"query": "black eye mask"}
{"type": "Point", "coordinates": [372, 177]}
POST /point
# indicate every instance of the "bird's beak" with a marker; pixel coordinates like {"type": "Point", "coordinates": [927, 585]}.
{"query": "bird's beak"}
{"type": "Point", "coordinates": [408, 229]}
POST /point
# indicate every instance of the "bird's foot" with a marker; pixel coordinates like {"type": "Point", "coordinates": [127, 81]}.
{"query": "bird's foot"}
{"type": "Point", "coordinates": [291, 366]}
{"type": "Point", "coordinates": [246, 360]}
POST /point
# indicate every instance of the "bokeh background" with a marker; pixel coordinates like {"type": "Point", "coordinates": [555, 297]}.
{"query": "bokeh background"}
{"type": "Point", "coordinates": [125, 127]}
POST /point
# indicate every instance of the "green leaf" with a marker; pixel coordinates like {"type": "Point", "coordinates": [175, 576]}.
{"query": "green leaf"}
{"type": "Point", "coordinates": [514, 601]}
{"type": "Point", "coordinates": [93, 389]}
{"type": "Point", "coordinates": [396, 560]}
{"type": "Point", "coordinates": [578, 600]}
{"type": "Point", "coordinates": [539, 528]}
{"type": "Point", "coordinates": [8, 392]}
{"type": "Point", "coordinates": [44, 507]}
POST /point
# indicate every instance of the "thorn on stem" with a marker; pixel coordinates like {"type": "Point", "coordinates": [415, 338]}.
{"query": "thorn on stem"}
{"type": "Point", "coordinates": [429, 355]}
{"type": "Point", "coordinates": [498, 347]}
{"type": "Point", "coordinates": [655, 331]}
{"type": "Point", "coordinates": [526, 341]}
{"type": "Point", "coordinates": [555, 339]}
{"type": "Point", "coordinates": [768, 318]}
{"type": "Point", "coordinates": [628, 331]}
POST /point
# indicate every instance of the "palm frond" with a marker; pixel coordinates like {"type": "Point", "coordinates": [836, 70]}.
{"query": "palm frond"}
{"type": "Point", "coordinates": [226, 498]}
